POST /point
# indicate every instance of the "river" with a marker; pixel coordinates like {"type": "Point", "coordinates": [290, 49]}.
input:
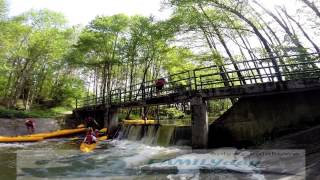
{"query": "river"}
{"type": "Point", "coordinates": [160, 153]}
{"type": "Point", "coordinates": [61, 158]}
{"type": "Point", "coordinates": [123, 159]}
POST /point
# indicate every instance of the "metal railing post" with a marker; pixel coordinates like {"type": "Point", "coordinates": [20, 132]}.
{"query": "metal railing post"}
{"type": "Point", "coordinates": [125, 94]}
{"type": "Point", "coordinates": [195, 80]}
{"type": "Point", "coordinates": [189, 81]}
{"type": "Point", "coordinates": [110, 97]}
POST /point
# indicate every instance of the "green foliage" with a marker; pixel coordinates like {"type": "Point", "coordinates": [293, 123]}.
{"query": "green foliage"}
{"type": "Point", "coordinates": [173, 113]}
{"type": "Point", "coordinates": [43, 19]}
{"type": "Point", "coordinates": [133, 116]}
{"type": "Point", "coordinates": [180, 60]}
{"type": "Point", "coordinates": [43, 59]}
{"type": "Point", "coordinates": [98, 43]}
{"type": "Point", "coordinates": [218, 107]}
{"type": "Point", "coordinates": [67, 91]}
{"type": "Point", "coordinates": [33, 67]}
{"type": "Point", "coordinates": [3, 9]}
{"type": "Point", "coordinates": [36, 113]}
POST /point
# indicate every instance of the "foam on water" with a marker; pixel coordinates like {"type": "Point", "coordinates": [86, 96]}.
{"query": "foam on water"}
{"type": "Point", "coordinates": [16, 145]}
{"type": "Point", "coordinates": [136, 153]}
{"type": "Point", "coordinates": [121, 157]}
{"type": "Point", "coordinates": [189, 165]}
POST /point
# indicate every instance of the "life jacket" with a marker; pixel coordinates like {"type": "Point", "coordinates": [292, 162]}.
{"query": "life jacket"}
{"type": "Point", "coordinates": [89, 138]}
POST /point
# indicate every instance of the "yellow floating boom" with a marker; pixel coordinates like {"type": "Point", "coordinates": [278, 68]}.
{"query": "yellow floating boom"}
{"type": "Point", "coordinates": [139, 122]}
{"type": "Point", "coordinates": [20, 139]}
{"type": "Point", "coordinates": [59, 133]}
{"type": "Point", "coordinates": [41, 136]}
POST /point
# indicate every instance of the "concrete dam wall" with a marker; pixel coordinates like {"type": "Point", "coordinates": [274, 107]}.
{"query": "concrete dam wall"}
{"type": "Point", "coordinates": [162, 135]}
{"type": "Point", "coordinates": [16, 127]}
{"type": "Point", "coordinates": [254, 120]}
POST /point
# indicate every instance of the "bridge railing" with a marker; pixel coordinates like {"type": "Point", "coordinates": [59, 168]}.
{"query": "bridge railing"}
{"type": "Point", "coordinates": [227, 75]}
{"type": "Point", "coordinates": [258, 71]}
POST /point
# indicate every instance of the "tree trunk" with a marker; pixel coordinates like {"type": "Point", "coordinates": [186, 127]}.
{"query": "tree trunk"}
{"type": "Point", "coordinates": [293, 38]}
{"type": "Point", "coordinates": [104, 83]}
{"type": "Point", "coordinates": [222, 41]}
{"type": "Point", "coordinates": [302, 30]}
{"type": "Point", "coordinates": [312, 6]}
{"type": "Point", "coordinates": [258, 34]}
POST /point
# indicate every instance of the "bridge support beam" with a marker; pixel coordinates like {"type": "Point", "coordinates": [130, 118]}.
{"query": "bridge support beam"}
{"type": "Point", "coordinates": [199, 118]}
{"type": "Point", "coordinates": [111, 120]}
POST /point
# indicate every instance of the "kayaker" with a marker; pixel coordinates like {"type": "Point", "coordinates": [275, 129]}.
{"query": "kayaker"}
{"type": "Point", "coordinates": [91, 123]}
{"type": "Point", "coordinates": [30, 124]}
{"type": "Point", "coordinates": [90, 138]}
{"type": "Point", "coordinates": [97, 133]}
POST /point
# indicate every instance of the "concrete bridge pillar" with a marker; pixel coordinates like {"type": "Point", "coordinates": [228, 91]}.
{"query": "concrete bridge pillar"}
{"type": "Point", "coordinates": [199, 118]}
{"type": "Point", "coordinates": [111, 120]}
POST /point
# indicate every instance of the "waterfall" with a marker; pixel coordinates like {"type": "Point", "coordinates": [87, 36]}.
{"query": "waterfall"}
{"type": "Point", "coordinates": [164, 135]}
{"type": "Point", "coordinates": [155, 134]}
{"type": "Point", "coordinates": [134, 133]}
{"type": "Point", "coordinates": [149, 135]}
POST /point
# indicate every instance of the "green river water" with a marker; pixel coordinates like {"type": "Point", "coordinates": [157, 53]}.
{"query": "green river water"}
{"type": "Point", "coordinates": [62, 159]}
{"type": "Point", "coordinates": [131, 156]}
{"type": "Point", "coordinates": [125, 159]}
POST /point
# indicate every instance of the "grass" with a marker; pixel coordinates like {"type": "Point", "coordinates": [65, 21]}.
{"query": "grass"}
{"type": "Point", "coordinates": [34, 113]}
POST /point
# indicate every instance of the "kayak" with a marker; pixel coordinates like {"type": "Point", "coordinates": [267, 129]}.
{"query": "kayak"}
{"type": "Point", "coordinates": [20, 139]}
{"type": "Point", "coordinates": [59, 133]}
{"type": "Point", "coordinates": [41, 136]}
{"type": "Point", "coordinates": [102, 138]}
{"type": "Point", "coordinates": [84, 147]}
{"type": "Point", "coordinates": [104, 130]}
{"type": "Point", "coordinates": [81, 126]}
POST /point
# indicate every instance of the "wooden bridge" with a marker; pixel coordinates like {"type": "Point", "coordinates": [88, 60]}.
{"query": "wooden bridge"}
{"type": "Point", "coordinates": [258, 77]}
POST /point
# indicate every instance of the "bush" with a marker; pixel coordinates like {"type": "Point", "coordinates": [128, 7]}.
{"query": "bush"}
{"type": "Point", "coordinates": [173, 113]}
{"type": "Point", "coordinates": [35, 113]}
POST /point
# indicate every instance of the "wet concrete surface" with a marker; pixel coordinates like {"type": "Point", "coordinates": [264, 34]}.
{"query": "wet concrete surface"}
{"type": "Point", "coordinates": [15, 127]}
{"type": "Point", "coordinates": [308, 140]}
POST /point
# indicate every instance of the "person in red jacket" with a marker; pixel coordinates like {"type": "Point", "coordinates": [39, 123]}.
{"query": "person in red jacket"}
{"type": "Point", "coordinates": [90, 138]}
{"type": "Point", "coordinates": [30, 124]}
{"type": "Point", "coordinates": [159, 85]}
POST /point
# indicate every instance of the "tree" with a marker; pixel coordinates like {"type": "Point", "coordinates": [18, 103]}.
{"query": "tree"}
{"type": "Point", "coordinates": [100, 45]}
{"type": "Point", "coordinates": [3, 9]}
{"type": "Point", "coordinates": [312, 5]}
{"type": "Point", "coordinates": [294, 38]}
{"type": "Point", "coordinates": [36, 42]}
{"type": "Point", "coordinates": [301, 29]}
